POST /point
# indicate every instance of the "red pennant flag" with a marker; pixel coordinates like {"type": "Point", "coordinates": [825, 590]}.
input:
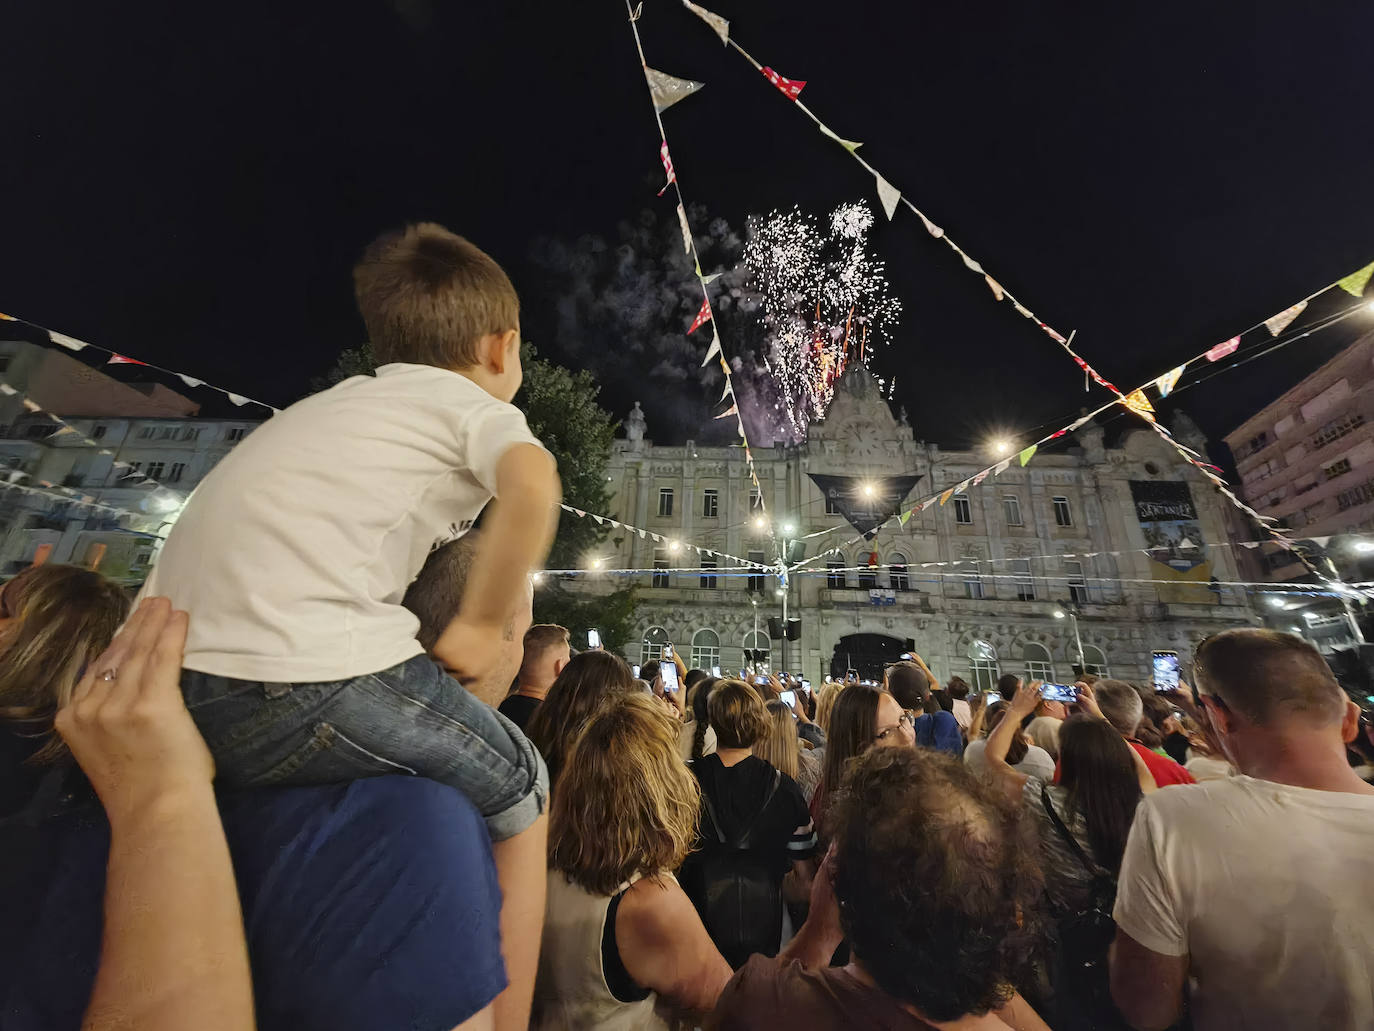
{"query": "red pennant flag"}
{"type": "Point", "coordinates": [702, 318]}
{"type": "Point", "coordinates": [667, 167]}
{"type": "Point", "coordinates": [1219, 352]}
{"type": "Point", "coordinates": [792, 87]}
{"type": "Point", "coordinates": [119, 359]}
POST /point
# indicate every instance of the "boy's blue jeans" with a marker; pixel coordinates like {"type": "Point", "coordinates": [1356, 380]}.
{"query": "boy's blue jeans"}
{"type": "Point", "coordinates": [412, 718]}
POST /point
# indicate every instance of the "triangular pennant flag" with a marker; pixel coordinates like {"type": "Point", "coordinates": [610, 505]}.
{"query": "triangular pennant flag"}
{"type": "Point", "coordinates": [1357, 281]}
{"type": "Point", "coordinates": [7, 318]}
{"type": "Point", "coordinates": [70, 343]}
{"type": "Point", "coordinates": [946, 496]}
{"type": "Point", "coordinates": [703, 316]}
{"type": "Point", "coordinates": [1278, 323]}
{"type": "Point", "coordinates": [1165, 384]}
{"type": "Point", "coordinates": [931, 227]}
{"type": "Point", "coordinates": [726, 392]}
{"type": "Point", "coordinates": [848, 145]}
{"type": "Point", "coordinates": [724, 365]}
{"type": "Point", "coordinates": [927, 503]}
{"type": "Point", "coordinates": [791, 87]}
{"type": "Point", "coordinates": [667, 89]}
{"type": "Point", "coordinates": [1026, 455]}
{"type": "Point", "coordinates": [686, 229]}
{"type": "Point", "coordinates": [721, 26]}
{"type": "Point", "coordinates": [190, 381]}
{"type": "Point", "coordinates": [1137, 402]}
{"type": "Point", "coordinates": [711, 351]}
{"type": "Point", "coordinates": [5, 388]}
{"type": "Point", "coordinates": [641, 534]}
{"type": "Point", "coordinates": [972, 264]}
{"type": "Point", "coordinates": [1054, 335]}
{"type": "Point", "coordinates": [1022, 310]}
{"type": "Point", "coordinates": [902, 519]}
{"type": "Point", "coordinates": [667, 160]}
{"type": "Point", "coordinates": [599, 520]}
{"type": "Point", "coordinates": [732, 410]}
{"type": "Point", "coordinates": [1001, 467]}
{"type": "Point", "coordinates": [979, 478]}
{"type": "Point", "coordinates": [962, 487]}
{"type": "Point", "coordinates": [1219, 352]}
{"type": "Point", "coordinates": [739, 425]}
{"type": "Point", "coordinates": [1078, 422]}
{"type": "Point", "coordinates": [580, 514]}
{"type": "Point", "coordinates": [995, 287]}
{"type": "Point", "coordinates": [708, 280]}
{"type": "Point", "coordinates": [238, 399]}
{"type": "Point", "coordinates": [889, 195]}
{"type": "Point", "coordinates": [119, 359]}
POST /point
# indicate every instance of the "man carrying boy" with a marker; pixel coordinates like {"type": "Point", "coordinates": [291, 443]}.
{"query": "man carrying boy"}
{"type": "Point", "coordinates": [293, 556]}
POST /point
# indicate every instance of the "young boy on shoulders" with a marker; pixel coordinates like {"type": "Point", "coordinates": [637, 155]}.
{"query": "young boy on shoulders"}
{"type": "Point", "coordinates": [293, 556]}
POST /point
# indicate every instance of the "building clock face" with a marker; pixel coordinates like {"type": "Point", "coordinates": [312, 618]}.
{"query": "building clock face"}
{"type": "Point", "coordinates": [864, 442]}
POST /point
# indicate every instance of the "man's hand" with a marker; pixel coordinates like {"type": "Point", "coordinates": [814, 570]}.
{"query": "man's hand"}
{"type": "Point", "coordinates": [127, 724]}
{"type": "Point", "coordinates": [470, 651]}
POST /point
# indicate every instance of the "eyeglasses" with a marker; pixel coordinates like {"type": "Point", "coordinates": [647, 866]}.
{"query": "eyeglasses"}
{"type": "Point", "coordinates": [904, 723]}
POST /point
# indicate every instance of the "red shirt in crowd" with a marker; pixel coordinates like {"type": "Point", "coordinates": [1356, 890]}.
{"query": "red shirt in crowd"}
{"type": "Point", "coordinates": [1164, 770]}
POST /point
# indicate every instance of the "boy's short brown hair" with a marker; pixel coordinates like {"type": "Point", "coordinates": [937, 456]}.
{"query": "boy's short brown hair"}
{"type": "Point", "coordinates": [428, 296]}
{"type": "Point", "coordinates": [736, 714]}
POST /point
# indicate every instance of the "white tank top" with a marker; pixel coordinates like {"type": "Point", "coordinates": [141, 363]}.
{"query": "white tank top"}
{"type": "Point", "coordinates": [570, 993]}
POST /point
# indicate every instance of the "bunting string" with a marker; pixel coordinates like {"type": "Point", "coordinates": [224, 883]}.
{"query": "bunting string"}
{"type": "Point", "coordinates": [657, 538]}
{"type": "Point", "coordinates": [654, 81]}
{"type": "Point", "coordinates": [115, 358]}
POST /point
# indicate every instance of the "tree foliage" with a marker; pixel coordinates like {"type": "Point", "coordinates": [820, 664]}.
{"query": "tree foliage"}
{"type": "Point", "coordinates": [562, 410]}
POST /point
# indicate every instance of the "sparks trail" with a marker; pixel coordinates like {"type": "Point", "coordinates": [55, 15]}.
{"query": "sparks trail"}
{"type": "Point", "coordinates": [826, 302]}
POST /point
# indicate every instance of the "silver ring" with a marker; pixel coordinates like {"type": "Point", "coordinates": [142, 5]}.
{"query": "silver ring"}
{"type": "Point", "coordinates": [109, 676]}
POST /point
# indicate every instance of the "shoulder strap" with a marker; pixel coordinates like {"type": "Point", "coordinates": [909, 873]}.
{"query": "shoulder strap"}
{"type": "Point", "coordinates": [742, 839]}
{"type": "Point", "coordinates": [1069, 839]}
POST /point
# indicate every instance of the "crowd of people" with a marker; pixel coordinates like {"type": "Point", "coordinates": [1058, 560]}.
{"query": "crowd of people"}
{"type": "Point", "coordinates": [325, 773]}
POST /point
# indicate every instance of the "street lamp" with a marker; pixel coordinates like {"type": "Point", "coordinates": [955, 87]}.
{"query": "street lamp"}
{"type": "Point", "coordinates": [788, 528]}
{"type": "Point", "coordinates": [674, 546]}
{"type": "Point", "coordinates": [1000, 446]}
{"type": "Point", "coordinates": [760, 522]}
{"type": "Point", "coordinates": [869, 490]}
{"type": "Point", "coordinates": [1077, 640]}
{"type": "Point", "coordinates": [1363, 547]}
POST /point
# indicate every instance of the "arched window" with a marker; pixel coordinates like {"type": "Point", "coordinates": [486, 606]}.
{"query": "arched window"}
{"type": "Point", "coordinates": [652, 648]}
{"type": "Point", "coordinates": [896, 573]}
{"type": "Point", "coordinates": [757, 641]}
{"type": "Point", "coordinates": [1095, 662]}
{"type": "Point", "coordinates": [705, 649]}
{"type": "Point", "coordinates": [1038, 664]}
{"type": "Point", "coordinates": [982, 666]}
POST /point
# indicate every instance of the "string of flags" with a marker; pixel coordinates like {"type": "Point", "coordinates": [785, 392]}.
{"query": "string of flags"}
{"type": "Point", "coordinates": [131, 472]}
{"type": "Point", "coordinates": [115, 358]}
{"type": "Point", "coordinates": [664, 91]}
{"type": "Point", "coordinates": [657, 538]}
{"type": "Point", "coordinates": [890, 197]}
{"type": "Point", "coordinates": [57, 492]}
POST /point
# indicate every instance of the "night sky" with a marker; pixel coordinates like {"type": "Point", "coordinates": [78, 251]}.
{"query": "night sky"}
{"type": "Point", "coordinates": [192, 187]}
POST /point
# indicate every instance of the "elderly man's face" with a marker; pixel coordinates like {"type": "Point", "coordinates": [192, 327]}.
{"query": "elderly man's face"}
{"type": "Point", "coordinates": [493, 687]}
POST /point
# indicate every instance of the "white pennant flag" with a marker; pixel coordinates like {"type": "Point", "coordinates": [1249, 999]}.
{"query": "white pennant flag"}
{"type": "Point", "coordinates": [972, 264]}
{"type": "Point", "coordinates": [599, 520]}
{"type": "Point", "coordinates": [5, 388]}
{"type": "Point", "coordinates": [190, 381]}
{"type": "Point", "coordinates": [1278, 323]}
{"type": "Point", "coordinates": [719, 24]}
{"type": "Point", "coordinates": [931, 227]}
{"type": "Point", "coordinates": [708, 280]}
{"type": "Point", "coordinates": [848, 145]}
{"type": "Point", "coordinates": [714, 349]}
{"type": "Point", "coordinates": [889, 195]}
{"type": "Point", "coordinates": [238, 399]}
{"type": "Point", "coordinates": [641, 534]}
{"type": "Point", "coordinates": [726, 392]}
{"type": "Point", "coordinates": [667, 89]}
{"type": "Point", "coordinates": [70, 343]}
{"type": "Point", "coordinates": [686, 230]}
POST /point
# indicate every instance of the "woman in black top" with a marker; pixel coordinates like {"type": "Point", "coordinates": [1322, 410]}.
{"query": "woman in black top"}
{"type": "Point", "coordinates": [754, 828]}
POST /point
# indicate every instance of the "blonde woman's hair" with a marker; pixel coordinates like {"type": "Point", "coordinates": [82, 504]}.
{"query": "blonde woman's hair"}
{"type": "Point", "coordinates": [626, 804]}
{"type": "Point", "coordinates": [61, 619]}
{"type": "Point", "coordinates": [779, 745]}
{"type": "Point", "coordinates": [825, 701]}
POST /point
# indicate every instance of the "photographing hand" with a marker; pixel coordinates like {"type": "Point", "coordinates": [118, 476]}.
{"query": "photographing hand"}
{"type": "Point", "coordinates": [1087, 700]}
{"type": "Point", "coordinates": [1027, 698]}
{"type": "Point", "coordinates": [127, 724]}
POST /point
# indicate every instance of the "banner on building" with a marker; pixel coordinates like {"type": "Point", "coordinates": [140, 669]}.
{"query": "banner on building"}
{"type": "Point", "coordinates": [1173, 541]}
{"type": "Point", "coordinates": [866, 501]}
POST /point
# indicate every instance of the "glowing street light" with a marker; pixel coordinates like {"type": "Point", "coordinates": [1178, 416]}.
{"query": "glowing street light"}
{"type": "Point", "coordinates": [1000, 446]}
{"type": "Point", "coordinates": [788, 528]}
{"type": "Point", "coordinates": [1363, 547]}
{"type": "Point", "coordinates": [760, 522]}
{"type": "Point", "coordinates": [1058, 613]}
{"type": "Point", "coordinates": [1278, 603]}
{"type": "Point", "coordinates": [869, 490]}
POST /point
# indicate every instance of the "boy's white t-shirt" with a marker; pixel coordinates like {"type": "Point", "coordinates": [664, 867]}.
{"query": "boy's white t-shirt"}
{"type": "Point", "coordinates": [293, 555]}
{"type": "Point", "coordinates": [1267, 889]}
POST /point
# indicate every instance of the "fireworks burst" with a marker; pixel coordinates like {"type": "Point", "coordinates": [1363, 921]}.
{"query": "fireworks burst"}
{"type": "Point", "coordinates": [826, 303]}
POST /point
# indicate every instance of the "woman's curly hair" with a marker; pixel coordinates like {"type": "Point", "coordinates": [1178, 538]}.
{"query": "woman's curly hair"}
{"type": "Point", "coordinates": [937, 879]}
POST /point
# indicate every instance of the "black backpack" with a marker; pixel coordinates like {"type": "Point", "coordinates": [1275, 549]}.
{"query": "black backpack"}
{"type": "Point", "coordinates": [739, 897]}
{"type": "Point", "coordinates": [1083, 937]}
